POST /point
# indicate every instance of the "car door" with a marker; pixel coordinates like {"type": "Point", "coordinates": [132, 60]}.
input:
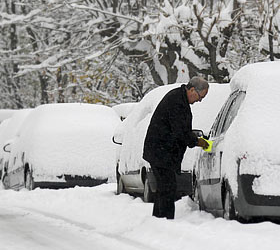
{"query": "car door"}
{"type": "Point", "coordinates": [13, 173]}
{"type": "Point", "coordinates": [20, 169]}
{"type": "Point", "coordinates": [208, 177]}
{"type": "Point", "coordinates": [210, 167]}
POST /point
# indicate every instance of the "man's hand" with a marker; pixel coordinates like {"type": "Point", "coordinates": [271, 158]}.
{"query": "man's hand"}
{"type": "Point", "coordinates": [202, 143]}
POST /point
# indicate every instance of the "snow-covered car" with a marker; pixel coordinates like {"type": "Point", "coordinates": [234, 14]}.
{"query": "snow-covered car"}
{"type": "Point", "coordinates": [133, 172]}
{"type": "Point", "coordinates": [240, 177]}
{"type": "Point", "coordinates": [63, 145]}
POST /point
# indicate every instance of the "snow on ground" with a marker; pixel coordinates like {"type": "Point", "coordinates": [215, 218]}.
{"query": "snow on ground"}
{"type": "Point", "coordinates": [99, 220]}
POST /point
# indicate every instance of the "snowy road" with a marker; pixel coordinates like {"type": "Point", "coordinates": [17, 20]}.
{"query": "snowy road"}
{"type": "Point", "coordinates": [97, 219]}
{"type": "Point", "coordinates": [40, 231]}
{"type": "Point", "coordinates": [23, 230]}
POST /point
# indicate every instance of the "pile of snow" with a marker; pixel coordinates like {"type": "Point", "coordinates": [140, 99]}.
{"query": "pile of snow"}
{"type": "Point", "coordinates": [74, 139]}
{"type": "Point", "coordinates": [133, 130]}
{"type": "Point", "coordinates": [253, 134]}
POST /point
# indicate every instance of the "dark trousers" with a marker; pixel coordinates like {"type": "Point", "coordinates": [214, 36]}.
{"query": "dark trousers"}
{"type": "Point", "coordinates": [164, 202]}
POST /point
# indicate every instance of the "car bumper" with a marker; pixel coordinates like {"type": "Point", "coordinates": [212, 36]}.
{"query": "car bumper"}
{"type": "Point", "coordinates": [68, 181]}
{"type": "Point", "coordinates": [248, 204]}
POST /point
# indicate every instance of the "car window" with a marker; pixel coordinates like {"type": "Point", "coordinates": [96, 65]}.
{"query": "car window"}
{"type": "Point", "coordinates": [232, 110]}
{"type": "Point", "coordinates": [214, 129]}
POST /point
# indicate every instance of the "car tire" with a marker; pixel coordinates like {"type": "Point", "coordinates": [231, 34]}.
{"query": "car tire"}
{"type": "Point", "coordinates": [229, 210]}
{"type": "Point", "coordinates": [5, 181]}
{"type": "Point", "coordinates": [117, 172]}
{"type": "Point", "coordinates": [29, 182]}
{"type": "Point", "coordinates": [120, 186]}
{"type": "Point", "coordinates": [148, 194]}
{"type": "Point", "coordinates": [195, 196]}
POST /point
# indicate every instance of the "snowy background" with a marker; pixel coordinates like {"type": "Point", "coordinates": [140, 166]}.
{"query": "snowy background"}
{"type": "Point", "coordinates": [97, 218]}
{"type": "Point", "coordinates": [60, 51]}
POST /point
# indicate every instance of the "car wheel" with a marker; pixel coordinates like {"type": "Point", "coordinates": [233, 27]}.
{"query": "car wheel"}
{"type": "Point", "coordinates": [117, 172]}
{"type": "Point", "coordinates": [29, 182]}
{"type": "Point", "coordinates": [120, 186]}
{"type": "Point", "coordinates": [148, 194]}
{"type": "Point", "coordinates": [229, 210]}
{"type": "Point", "coordinates": [5, 181]}
{"type": "Point", "coordinates": [195, 196]}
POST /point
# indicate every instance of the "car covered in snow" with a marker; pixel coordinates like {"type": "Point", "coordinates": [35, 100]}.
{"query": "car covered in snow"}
{"type": "Point", "coordinates": [133, 172]}
{"type": "Point", "coordinates": [63, 145]}
{"type": "Point", "coordinates": [240, 177]}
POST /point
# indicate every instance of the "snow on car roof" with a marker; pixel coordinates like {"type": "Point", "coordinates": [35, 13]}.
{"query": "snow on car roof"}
{"type": "Point", "coordinates": [256, 76]}
{"type": "Point", "coordinates": [6, 113]}
{"type": "Point", "coordinates": [70, 139]}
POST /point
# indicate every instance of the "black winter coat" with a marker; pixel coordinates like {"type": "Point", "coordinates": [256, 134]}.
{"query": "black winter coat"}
{"type": "Point", "coordinates": [170, 131]}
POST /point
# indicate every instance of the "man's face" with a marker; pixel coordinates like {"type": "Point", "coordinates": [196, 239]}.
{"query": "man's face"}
{"type": "Point", "coordinates": [195, 95]}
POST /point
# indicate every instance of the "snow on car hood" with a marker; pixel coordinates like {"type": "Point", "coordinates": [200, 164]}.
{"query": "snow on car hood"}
{"type": "Point", "coordinates": [253, 135]}
{"type": "Point", "coordinates": [74, 139]}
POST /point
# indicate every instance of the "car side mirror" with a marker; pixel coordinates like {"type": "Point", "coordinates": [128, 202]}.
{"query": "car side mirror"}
{"type": "Point", "coordinates": [113, 139]}
{"type": "Point", "coordinates": [7, 148]}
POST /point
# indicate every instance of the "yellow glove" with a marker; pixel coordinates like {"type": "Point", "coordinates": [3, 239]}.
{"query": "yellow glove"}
{"type": "Point", "coordinates": [210, 143]}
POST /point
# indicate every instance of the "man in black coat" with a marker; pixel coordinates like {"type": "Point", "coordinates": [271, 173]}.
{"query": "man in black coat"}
{"type": "Point", "coordinates": [168, 136]}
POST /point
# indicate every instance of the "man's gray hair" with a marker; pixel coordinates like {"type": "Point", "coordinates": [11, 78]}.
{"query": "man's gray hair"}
{"type": "Point", "coordinates": [198, 83]}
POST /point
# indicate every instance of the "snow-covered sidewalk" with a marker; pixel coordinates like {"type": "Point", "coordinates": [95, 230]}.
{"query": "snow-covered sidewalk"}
{"type": "Point", "coordinates": [96, 218]}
